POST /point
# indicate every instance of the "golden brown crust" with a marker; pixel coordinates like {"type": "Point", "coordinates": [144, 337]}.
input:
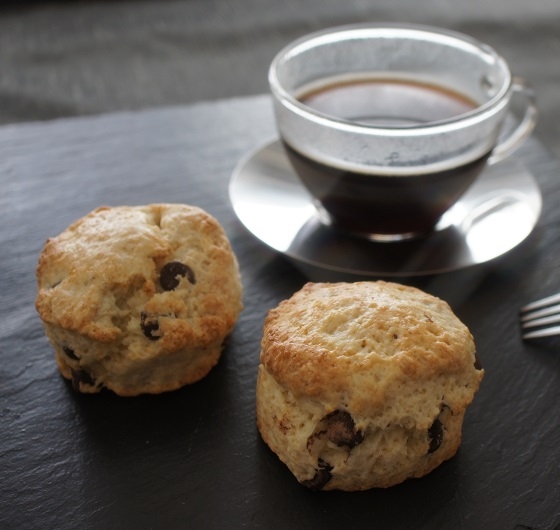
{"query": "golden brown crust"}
{"type": "Point", "coordinates": [100, 290]}
{"type": "Point", "coordinates": [391, 364]}
{"type": "Point", "coordinates": [326, 336]}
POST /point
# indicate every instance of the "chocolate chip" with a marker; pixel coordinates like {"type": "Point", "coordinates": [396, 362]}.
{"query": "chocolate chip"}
{"type": "Point", "coordinates": [341, 429]}
{"type": "Point", "coordinates": [171, 274]}
{"type": "Point", "coordinates": [81, 376]}
{"type": "Point", "coordinates": [321, 478]}
{"type": "Point", "coordinates": [149, 325]}
{"type": "Point", "coordinates": [435, 433]}
{"type": "Point", "coordinates": [70, 353]}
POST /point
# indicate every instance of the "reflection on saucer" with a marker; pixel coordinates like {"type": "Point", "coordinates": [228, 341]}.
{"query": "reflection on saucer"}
{"type": "Point", "coordinates": [507, 215]}
{"type": "Point", "coordinates": [497, 213]}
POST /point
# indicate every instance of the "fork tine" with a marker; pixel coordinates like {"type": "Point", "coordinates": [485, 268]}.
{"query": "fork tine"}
{"type": "Point", "coordinates": [552, 319]}
{"type": "Point", "coordinates": [531, 315]}
{"type": "Point", "coordinates": [541, 313]}
{"type": "Point", "coordinates": [544, 332]}
{"type": "Point", "coordinates": [553, 299]}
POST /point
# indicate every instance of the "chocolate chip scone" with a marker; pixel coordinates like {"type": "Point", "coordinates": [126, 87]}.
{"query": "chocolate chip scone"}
{"type": "Point", "coordinates": [364, 384]}
{"type": "Point", "coordinates": [138, 299]}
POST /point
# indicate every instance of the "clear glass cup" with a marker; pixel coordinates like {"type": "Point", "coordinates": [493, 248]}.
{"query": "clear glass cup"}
{"type": "Point", "coordinates": [388, 125]}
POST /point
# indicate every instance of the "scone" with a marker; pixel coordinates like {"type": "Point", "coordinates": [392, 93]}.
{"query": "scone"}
{"type": "Point", "coordinates": [364, 384]}
{"type": "Point", "coordinates": [138, 299]}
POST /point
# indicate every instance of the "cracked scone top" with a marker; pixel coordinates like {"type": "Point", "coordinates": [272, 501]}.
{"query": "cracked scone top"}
{"type": "Point", "coordinates": [364, 384]}
{"type": "Point", "coordinates": [138, 299]}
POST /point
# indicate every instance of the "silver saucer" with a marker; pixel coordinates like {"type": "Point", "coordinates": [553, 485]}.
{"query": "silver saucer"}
{"type": "Point", "coordinates": [497, 213]}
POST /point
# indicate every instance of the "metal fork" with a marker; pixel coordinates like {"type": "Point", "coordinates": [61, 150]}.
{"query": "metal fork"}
{"type": "Point", "coordinates": [541, 314]}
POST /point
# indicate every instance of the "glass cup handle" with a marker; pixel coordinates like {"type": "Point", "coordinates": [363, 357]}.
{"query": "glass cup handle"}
{"type": "Point", "coordinates": [527, 122]}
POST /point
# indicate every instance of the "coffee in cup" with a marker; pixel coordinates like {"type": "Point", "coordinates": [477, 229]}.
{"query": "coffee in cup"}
{"type": "Point", "coordinates": [387, 126]}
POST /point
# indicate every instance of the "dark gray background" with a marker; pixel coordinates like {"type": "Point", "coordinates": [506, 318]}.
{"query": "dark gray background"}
{"type": "Point", "coordinates": [72, 58]}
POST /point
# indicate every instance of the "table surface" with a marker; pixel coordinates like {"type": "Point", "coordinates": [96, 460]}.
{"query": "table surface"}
{"type": "Point", "coordinates": [193, 458]}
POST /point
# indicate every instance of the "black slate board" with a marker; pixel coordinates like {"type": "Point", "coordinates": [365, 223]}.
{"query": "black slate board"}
{"type": "Point", "coordinates": [193, 458]}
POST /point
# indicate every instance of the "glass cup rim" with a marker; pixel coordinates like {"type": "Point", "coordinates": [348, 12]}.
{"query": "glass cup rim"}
{"type": "Point", "coordinates": [495, 103]}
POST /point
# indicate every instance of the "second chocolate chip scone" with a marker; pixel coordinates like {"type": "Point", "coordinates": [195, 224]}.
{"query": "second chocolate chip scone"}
{"type": "Point", "coordinates": [138, 299]}
{"type": "Point", "coordinates": [364, 384]}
